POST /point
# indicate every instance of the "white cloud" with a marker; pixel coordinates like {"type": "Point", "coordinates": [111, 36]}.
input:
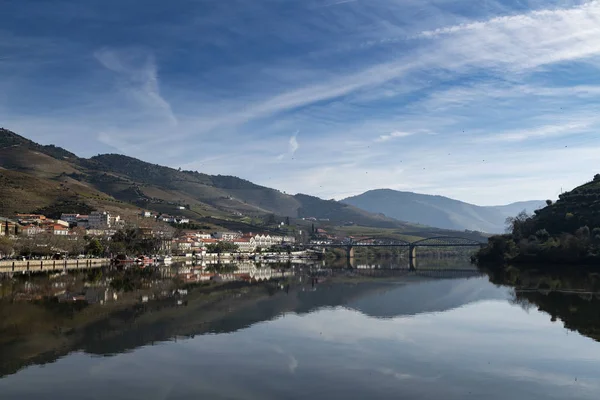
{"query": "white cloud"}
{"type": "Point", "coordinates": [541, 132]}
{"type": "Point", "coordinates": [393, 135]}
{"type": "Point", "coordinates": [293, 146]}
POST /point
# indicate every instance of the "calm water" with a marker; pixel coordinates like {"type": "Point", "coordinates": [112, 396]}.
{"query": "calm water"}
{"type": "Point", "coordinates": [432, 334]}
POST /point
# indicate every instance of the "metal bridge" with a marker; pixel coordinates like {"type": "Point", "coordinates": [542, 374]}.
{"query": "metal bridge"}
{"type": "Point", "coordinates": [436, 241]}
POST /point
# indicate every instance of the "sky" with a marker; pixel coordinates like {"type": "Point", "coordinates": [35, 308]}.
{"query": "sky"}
{"type": "Point", "coordinates": [484, 101]}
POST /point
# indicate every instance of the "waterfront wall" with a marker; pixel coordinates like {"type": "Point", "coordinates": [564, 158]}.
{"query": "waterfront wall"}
{"type": "Point", "coordinates": [11, 266]}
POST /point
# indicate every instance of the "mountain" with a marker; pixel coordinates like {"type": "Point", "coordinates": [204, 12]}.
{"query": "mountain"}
{"type": "Point", "coordinates": [510, 210]}
{"type": "Point", "coordinates": [45, 177]}
{"type": "Point", "coordinates": [438, 211]}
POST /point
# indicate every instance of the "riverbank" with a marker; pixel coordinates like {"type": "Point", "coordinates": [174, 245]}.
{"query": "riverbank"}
{"type": "Point", "coordinates": [11, 266]}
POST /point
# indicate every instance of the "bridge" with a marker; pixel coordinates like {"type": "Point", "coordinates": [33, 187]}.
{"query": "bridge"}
{"type": "Point", "coordinates": [436, 241]}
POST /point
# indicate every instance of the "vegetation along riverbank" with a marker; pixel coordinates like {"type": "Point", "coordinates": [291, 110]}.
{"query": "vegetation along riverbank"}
{"type": "Point", "coordinates": [565, 232]}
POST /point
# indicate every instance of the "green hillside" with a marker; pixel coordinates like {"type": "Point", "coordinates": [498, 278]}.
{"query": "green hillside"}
{"type": "Point", "coordinates": [565, 232]}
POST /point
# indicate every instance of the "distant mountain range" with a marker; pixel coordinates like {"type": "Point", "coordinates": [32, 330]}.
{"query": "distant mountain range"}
{"type": "Point", "coordinates": [36, 178]}
{"type": "Point", "coordinates": [438, 211]}
{"type": "Point", "coordinates": [51, 180]}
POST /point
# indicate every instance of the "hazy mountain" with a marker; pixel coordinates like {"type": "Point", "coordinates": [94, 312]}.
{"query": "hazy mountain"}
{"type": "Point", "coordinates": [439, 211]}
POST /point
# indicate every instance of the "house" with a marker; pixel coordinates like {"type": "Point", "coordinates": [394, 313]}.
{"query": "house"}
{"type": "Point", "coordinates": [181, 220]}
{"type": "Point", "coordinates": [182, 245]}
{"type": "Point", "coordinates": [202, 235]}
{"type": "Point", "coordinates": [83, 220]}
{"type": "Point", "coordinates": [245, 245]}
{"type": "Point", "coordinates": [102, 220]}
{"type": "Point", "coordinates": [229, 236]}
{"type": "Point", "coordinates": [62, 223]}
{"type": "Point", "coordinates": [32, 230]}
{"type": "Point", "coordinates": [99, 220]}
{"type": "Point", "coordinates": [147, 214]}
{"type": "Point", "coordinates": [100, 232]}
{"type": "Point", "coordinates": [57, 229]}
{"type": "Point", "coordinates": [167, 218]}
{"type": "Point", "coordinates": [70, 218]}
{"type": "Point", "coordinates": [31, 218]}
{"type": "Point", "coordinates": [8, 227]}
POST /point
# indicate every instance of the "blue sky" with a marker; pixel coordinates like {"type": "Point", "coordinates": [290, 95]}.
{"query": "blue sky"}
{"type": "Point", "coordinates": [488, 102]}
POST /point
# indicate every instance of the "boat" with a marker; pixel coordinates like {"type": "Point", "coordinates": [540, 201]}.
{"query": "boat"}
{"type": "Point", "coordinates": [144, 260]}
{"type": "Point", "coordinates": [122, 259]}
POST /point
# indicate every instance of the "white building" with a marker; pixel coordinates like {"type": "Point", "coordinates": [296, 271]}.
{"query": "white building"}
{"type": "Point", "coordinates": [227, 235]}
{"type": "Point", "coordinates": [62, 223]}
{"type": "Point", "coordinates": [245, 245]}
{"type": "Point", "coordinates": [183, 245]}
{"type": "Point", "coordinates": [56, 229]}
{"type": "Point", "coordinates": [265, 240]}
{"type": "Point", "coordinates": [70, 218]}
{"type": "Point", "coordinates": [167, 218]}
{"type": "Point", "coordinates": [32, 230]}
{"type": "Point", "coordinates": [102, 220]}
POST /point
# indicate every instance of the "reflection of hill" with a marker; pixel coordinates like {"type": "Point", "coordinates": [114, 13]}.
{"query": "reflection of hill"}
{"type": "Point", "coordinates": [573, 297]}
{"type": "Point", "coordinates": [104, 330]}
{"type": "Point", "coordinates": [580, 313]}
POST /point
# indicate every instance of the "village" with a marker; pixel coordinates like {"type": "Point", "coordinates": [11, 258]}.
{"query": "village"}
{"type": "Point", "coordinates": [102, 234]}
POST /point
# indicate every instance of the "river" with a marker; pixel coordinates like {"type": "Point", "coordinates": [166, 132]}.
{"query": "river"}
{"type": "Point", "coordinates": [443, 331]}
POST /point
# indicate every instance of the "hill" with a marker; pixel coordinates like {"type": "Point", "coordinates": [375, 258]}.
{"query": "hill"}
{"type": "Point", "coordinates": [564, 232]}
{"type": "Point", "coordinates": [47, 177]}
{"type": "Point", "coordinates": [438, 211]}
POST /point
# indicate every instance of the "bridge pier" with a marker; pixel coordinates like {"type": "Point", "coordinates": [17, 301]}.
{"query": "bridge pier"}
{"type": "Point", "coordinates": [349, 253]}
{"type": "Point", "coordinates": [412, 257]}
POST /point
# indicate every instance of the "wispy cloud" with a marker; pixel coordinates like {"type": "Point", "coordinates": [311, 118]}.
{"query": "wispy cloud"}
{"type": "Point", "coordinates": [393, 135]}
{"type": "Point", "coordinates": [541, 132]}
{"type": "Point", "coordinates": [293, 146]}
{"type": "Point", "coordinates": [140, 78]}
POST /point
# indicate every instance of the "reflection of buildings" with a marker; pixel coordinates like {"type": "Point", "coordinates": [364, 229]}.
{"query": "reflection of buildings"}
{"type": "Point", "coordinates": [245, 271]}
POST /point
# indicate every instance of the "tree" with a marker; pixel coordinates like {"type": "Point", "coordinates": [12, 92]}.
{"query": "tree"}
{"type": "Point", "coordinates": [6, 246]}
{"type": "Point", "coordinates": [583, 232]}
{"type": "Point", "coordinates": [548, 202]}
{"type": "Point", "coordinates": [287, 221]}
{"type": "Point", "coordinates": [542, 235]}
{"type": "Point", "coordinates": [222, 247]}
{"type": "Point", "coordinates": [518, 225]}
{"type": "Point", "coordinates": [270, 219]}
{"type": "Point", "coordinates": [117, 248]}
{"type": "Point", "coordinates": [95, 248]}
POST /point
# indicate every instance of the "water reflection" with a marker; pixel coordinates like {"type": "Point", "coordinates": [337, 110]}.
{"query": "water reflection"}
{"type": "Point", "coordinates": [315, 331]}
{"type": "Point", "coordinates": [572, 297]}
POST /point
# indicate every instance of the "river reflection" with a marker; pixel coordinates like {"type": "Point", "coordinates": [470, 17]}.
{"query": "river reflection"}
{"type": "Point", "coordinates": [300, 331]}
